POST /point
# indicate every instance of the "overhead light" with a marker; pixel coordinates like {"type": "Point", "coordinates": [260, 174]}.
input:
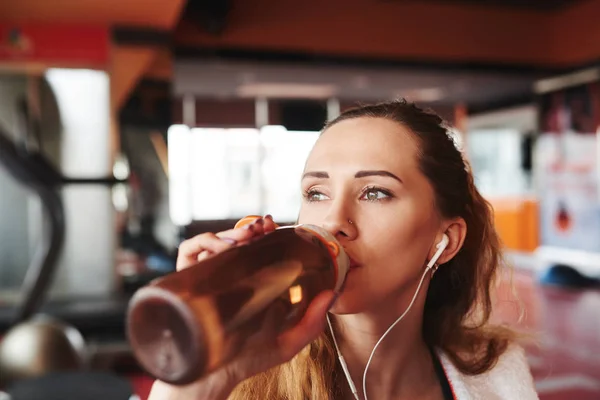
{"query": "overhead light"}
{"type": "Point", "coordinates": [564, 81]}
{"type": "Point", "coordinates": [425, 94]}
{"type": "Point", "coordinates": [287, 90]}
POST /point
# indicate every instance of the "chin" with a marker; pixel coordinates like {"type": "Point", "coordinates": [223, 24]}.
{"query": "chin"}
{"type": "Point", "coordinates": [350, 303]}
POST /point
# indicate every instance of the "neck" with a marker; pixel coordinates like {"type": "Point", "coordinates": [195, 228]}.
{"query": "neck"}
{"type": "Point", "coordinates": [401, 366]}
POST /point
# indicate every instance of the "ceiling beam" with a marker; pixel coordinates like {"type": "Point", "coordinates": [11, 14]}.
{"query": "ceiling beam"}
{"type": "Point", "coordinates": [406, 30]}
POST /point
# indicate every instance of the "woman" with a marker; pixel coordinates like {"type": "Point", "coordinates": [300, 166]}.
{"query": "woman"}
{"type": "Point", "coordinates": [388, 181]}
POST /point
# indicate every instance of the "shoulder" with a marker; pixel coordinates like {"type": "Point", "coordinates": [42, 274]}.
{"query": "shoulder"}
{"type": "Point", "coordinates": [510, 378]}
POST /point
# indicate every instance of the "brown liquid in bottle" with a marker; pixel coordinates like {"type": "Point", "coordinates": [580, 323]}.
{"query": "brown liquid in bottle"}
{"type": "Point", "coordinates": [191, 322]}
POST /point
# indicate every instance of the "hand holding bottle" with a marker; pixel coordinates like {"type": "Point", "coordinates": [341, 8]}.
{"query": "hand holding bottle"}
{"type": "Point", "coordinates": [202, 246]}
{"type": "Point", "coordinates": [254, 359]}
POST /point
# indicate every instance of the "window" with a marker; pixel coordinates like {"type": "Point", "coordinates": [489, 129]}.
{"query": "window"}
{"type": "Point", "coordinates": [217, 173]}
{"type": "Point", "coordinates": [496, 159]}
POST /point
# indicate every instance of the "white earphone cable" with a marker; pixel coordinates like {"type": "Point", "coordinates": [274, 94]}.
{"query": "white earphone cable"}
{"type": "Point", "coordinates": [343, 362]}
{"type": "Point", "coordinates": [341, 358]}
{"type": "Point", "coordinates": [388, 331]}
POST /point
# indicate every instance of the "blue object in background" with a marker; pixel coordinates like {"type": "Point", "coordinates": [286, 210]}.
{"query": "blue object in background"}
{"type": "Point", "coordinates": [566, 277]}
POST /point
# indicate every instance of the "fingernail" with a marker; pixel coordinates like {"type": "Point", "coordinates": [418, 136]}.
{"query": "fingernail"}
{"type": "Point", "coordinates": [259, 221]}
{"type": "Point", "coordinates": [269, 216]}
{"type": "Point", "coordinates": [250, 227]}
{"type": "Point", "coordinates": [232, 242]}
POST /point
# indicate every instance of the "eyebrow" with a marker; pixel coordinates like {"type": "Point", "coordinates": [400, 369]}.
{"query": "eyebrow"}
{"type": "Point", "coordinates": [359, 174]}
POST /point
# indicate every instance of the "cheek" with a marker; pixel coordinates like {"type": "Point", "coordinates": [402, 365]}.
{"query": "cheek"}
{"type": "Point", "coordinates": [394, 248]}
{"type": "Point", "coordinates": [396, 262]}
{"type": "Point", "coordinates": [410, 224]}
{"type": "Point", "coordinates": [400, 247]}
{"type": "Point", "coordinates": [311, 214]}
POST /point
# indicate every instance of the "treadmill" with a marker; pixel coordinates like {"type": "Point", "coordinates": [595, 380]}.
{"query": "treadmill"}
{"type": "Point", "coordinates": [101, 322]}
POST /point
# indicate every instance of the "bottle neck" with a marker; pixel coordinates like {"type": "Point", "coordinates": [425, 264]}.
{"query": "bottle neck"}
{"type": "Point", "coordinates": [337, 254]}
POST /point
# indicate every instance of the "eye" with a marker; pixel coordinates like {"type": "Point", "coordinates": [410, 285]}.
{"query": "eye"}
{"type": "Point", "coordinates": [313, 195]}
{"type": "Point", "coordinates": [375, 194]}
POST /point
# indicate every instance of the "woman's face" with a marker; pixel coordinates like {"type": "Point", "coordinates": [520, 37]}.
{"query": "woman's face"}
{"type": "Point", "coordinates": [365, 170]}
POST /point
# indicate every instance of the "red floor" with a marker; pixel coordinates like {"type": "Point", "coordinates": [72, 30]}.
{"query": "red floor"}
{"type": "Point", "coordinates": [565, 354]}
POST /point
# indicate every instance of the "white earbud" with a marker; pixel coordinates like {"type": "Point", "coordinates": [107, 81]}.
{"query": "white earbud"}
{"type": "Point", "coordinates": [441, 246]}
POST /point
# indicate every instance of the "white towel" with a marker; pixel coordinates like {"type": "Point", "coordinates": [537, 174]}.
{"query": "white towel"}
{"type": "Point", "coordinates": [509, 379]}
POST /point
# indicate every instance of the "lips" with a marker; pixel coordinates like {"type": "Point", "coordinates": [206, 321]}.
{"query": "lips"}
{"type": "Point", "coordinates": [353, 263]}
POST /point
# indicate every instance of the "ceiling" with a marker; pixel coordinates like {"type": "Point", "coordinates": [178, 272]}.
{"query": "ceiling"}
{"type": "Point", "coordinates": [485, 53]}
{"type": "Point", "coordinates": [231, 24]}
{"type": "Point", "coordinates": [492, 32]}
{"type": "Point", "coordinates": [538, 5]}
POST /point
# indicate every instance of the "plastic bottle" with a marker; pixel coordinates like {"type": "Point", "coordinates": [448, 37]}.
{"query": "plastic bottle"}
{"type": "Point", "coordinates": [190, 322]}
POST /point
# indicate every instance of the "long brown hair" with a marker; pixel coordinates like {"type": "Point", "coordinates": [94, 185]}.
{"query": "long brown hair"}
{"type": "Point", "coordinates": [459, 299]}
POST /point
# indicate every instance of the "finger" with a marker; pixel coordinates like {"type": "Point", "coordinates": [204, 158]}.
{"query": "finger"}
{"type": "Point", "coordinates": [204, 255]}
{"type": "Point", "coordinates": [190, 249]}
{"type": "Point", "coordinates": [203, 246]}
{"type": "Point", "coordinates": [308, 329]}
{"type": "Point", "coordinates": [258, 227]}
{"type": "Point", "coordinates": [245, 233]}
{"type": "Point", "coordinates": [269, 225]}
{"type": "Point", "coordinates": [206, 241]}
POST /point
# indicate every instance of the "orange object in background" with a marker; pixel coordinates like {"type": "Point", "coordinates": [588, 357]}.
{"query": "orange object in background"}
{"type": "Point", "coordinates": [517, 222]}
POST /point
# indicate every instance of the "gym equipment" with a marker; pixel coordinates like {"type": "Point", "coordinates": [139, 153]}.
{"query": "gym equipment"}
{"type": "Point", "coordinates": [43, 357]}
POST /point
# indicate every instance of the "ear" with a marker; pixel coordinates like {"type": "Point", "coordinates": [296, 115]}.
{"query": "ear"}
{"type": "Point", "coordinates": [456, 229]}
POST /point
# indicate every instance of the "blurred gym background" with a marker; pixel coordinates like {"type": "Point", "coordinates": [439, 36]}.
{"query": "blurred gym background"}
{"type": "Point", "coordinates": [127, 126]}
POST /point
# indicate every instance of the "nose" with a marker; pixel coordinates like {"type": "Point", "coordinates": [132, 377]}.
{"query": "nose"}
{"type": "Point", "coordinates": [341, 226]}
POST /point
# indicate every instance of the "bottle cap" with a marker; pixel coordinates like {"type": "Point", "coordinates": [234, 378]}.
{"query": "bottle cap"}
{"type": "Point", "coordinates": [247, 220]}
